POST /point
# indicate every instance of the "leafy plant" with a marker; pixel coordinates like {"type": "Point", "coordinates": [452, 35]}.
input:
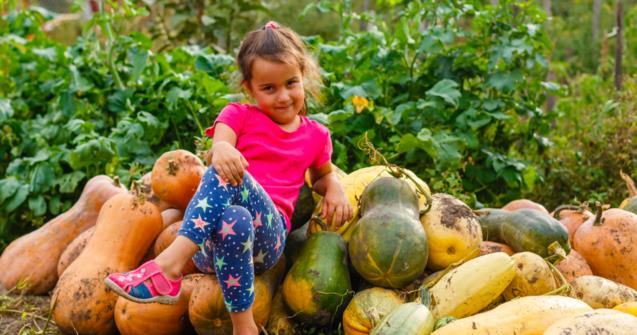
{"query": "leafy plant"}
{"type": "Point", "coordinates": [453, 90]}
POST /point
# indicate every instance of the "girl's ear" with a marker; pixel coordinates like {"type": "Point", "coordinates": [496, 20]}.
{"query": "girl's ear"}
{"type": "Point", "coordinates": [246, 86]}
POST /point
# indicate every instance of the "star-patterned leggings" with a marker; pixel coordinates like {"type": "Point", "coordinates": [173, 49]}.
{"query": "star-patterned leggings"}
{"type": "Point", "coordinates": [239, 232]}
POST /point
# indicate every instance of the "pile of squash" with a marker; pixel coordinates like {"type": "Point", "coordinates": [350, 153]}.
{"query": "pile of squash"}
{"type": "Point", "coordinates": [408, 262]}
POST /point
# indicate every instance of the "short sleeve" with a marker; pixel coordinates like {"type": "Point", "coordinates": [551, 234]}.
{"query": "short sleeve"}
{"type": "Point", "coordinates": [325, 152]}
{"type": "Point", "coordinates": [234, 115]}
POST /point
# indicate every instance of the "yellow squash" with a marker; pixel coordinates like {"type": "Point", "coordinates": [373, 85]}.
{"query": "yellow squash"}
{"type": "Point", "coordinates": [533, 276]}
{"type": "Point", "coordinates": [599, 321]}
{"type": "Point", "coordinates": [523, 316]}
{"type": "Point", "coordinates": [600, 292]}
{"type": "Point", "coordinates": [627, 307]}
{"type": "Point", "coordinates": [453, 231]}
{"type": "Point", "coordinates": [471, 286]}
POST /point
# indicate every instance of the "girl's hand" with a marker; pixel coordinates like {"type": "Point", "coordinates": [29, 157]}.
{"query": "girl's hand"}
{"type": "Point", "coordinates": [228, 161]}
{"type": "Point", "coordinates": [336, 207]}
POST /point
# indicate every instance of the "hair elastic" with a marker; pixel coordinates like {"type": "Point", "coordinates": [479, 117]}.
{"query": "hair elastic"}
{"type": "Point", "coordinates": [271, 25]}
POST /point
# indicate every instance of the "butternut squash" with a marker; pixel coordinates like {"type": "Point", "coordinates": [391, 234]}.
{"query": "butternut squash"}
{"type": "Point", "coordinates": [81, 302]}
{"type": "Point", "coordinates": [33, 258]}
{"type": "Point", "coordinates": [165, 238]}
{"type": "Point", "coordinates": [74, 250]}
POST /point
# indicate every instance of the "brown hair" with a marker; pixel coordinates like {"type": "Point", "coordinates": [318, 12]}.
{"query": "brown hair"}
{"type": "Point", "coordinates": [279, 44]}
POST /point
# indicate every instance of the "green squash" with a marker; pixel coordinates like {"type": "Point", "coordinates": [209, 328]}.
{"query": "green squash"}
{"type": "Point", "coordinates": [389, 246]}
{"type": "Point", "coordinates": [304, 207]}
{"type": "Point", "coordinates": [523, 230]}
{"type": "Point", "coordinates": [317, 288]}
{"type": "Point", "coordinates": [294, 243]}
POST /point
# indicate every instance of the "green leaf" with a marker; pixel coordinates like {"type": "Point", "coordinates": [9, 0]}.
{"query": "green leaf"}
{"type": "Point", "coordinates": [6, 110]}
{"type": "Point", "coordinates": [95, 152]}
{"type": "Point", "coordinates": [116, 102]}
{"type": "Point", "coordinates": [78, 83]}
{"type": "Point", "coordinates": [17, 199]}
{"type": "Point", "coordinates": [138, 59]}
{"type": "Point", "coordinates": [8, 187]}
{"type": "Point", "coordinates": [67, 103]}
{"type": "Point", "coordinates": [504, 81]}
{"type": "Point", "coordinates": [446, 89]}
{"type": "Point", "coordinates": [42, 178]}
{"type": "Point", "coordinates": [339, 115]}
{"type": "Point", "coordinates": [37, 205]}
{"type": "Point", "coordinates": [449, 150]}
{"type": "Point", "coordinates": [353, 91]}
{"type": "Point", "coordinates": [177, 93]}
{"type": "Point", "coordinates": [68, 182]}
{"type": "Point", "coordinates": [50, 54]}
{"type": "Point", "coordinates": [213, 65]}
{"type": "Point", "coordinates": [55, 205]}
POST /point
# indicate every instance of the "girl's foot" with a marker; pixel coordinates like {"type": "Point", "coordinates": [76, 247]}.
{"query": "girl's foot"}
{"type": "Point", "coordinates": [145, 284]}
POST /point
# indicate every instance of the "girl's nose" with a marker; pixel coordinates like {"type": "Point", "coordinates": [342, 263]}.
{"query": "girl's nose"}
{"type": "Point", "coordinates": [283, 96]}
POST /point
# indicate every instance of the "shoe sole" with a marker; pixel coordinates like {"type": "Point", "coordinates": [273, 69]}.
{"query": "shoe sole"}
{"type": "Point", "coordinates": [162, 299]}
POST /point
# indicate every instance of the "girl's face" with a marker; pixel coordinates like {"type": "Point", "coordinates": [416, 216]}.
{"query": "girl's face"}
{"type": "Point", "coordinates": [277, 89]}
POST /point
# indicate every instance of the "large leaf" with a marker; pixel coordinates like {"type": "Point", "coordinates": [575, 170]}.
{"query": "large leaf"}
{"type": "Point", "coordinates": [446, 89]}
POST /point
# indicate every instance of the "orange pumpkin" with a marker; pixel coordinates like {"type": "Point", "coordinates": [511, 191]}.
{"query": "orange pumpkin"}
{"type": "Point", "coordinates": [147, 191]}
{"type": "Point", "coordinates": [524, 203]}
{"type": "Point", "coordinates": [134, 318]}
{"type": "Point", "coordinates": [488, 247]}
{"type": "Point", "coordinates": [81, 302]}
{"type": "Point", "coordinates": [208, 313]}
{"type": "Point", "coordinates": [607, 243]}
{"type": "Point", "coordinates": [170, 216]}
{"type": "Point", "coordinates": [571, 217]}
{"type": "Point", "coordinates": [573, 266]}
{"type": "Point", "coordinates": [34, 257]}
{"type": "Point", "coordinates": [165, 238]}
{"type": "Point", "coordinates": [74, 250]}
{"type": "Point", "coordinates": [176, 176]}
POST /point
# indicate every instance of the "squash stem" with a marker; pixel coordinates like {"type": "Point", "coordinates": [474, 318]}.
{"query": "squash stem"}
{"type": "Point", "coordinates": [116, 181]}
{"type": "Point", "coordinates": [559, 209]}
{"type": "Point", "coordinates": [172, 167]}
{"type": "Point", "coordinates": [565, 288]}
{"type": "Point", "coordinates": [598, 215]}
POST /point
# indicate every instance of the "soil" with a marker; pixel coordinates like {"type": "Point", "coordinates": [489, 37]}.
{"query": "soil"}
{"type": "Point", "coordinates": [25, 314]}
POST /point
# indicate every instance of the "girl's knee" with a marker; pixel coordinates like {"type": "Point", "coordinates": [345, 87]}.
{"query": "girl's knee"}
{"type": "Point", "coordinates": [239, 217]}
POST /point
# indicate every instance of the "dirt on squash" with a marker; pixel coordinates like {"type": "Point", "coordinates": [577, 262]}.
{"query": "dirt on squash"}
{"type": "Point", "coordinates": [25, 314]}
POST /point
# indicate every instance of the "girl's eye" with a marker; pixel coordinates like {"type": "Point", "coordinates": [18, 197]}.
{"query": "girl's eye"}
{"type": "Point", "coordinates": [292, 82]}
{"type": "Point", "coordinates": [267, 88]}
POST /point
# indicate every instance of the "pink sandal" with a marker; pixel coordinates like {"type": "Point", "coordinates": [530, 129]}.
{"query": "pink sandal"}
{"type": "Point", "coordinates": [134, 285]}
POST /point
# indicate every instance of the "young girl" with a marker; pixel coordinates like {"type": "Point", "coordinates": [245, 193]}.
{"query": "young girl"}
{"type": "Point", "coordinates": [236, 224]}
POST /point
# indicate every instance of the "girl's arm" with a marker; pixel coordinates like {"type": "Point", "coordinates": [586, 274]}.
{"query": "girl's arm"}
{"type": "Point", "coordinates": [224, 157]}
{"type": "Point", "coordinates": [336, 207]}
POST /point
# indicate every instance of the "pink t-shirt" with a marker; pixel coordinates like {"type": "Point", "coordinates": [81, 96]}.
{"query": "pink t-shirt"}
{"type": "Point", "coordinates": [278, 158]}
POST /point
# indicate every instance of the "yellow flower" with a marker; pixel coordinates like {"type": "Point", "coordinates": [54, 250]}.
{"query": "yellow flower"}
{"type": "Point", "coordinates": [360, 103]}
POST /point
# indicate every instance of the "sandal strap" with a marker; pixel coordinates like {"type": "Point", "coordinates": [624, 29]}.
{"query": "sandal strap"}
{"type": "Point", "coordinates": [141, 274]}
{"type": "Point", "coordinates": [162, 284]}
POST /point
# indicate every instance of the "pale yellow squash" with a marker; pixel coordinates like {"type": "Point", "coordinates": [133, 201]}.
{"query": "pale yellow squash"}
{"type": "Point", "coordinates": [627, 307]}
{"type": "Point", "coordinates": [471, 286]}
{"type": "Point", "coordinates": [600, 321]}
{"type": "Point", "coordinates": [533, 276]}
{"type": "Point", "coordinates": [600, 292]}
{"type": "Point", "coordinates": [523, 316]}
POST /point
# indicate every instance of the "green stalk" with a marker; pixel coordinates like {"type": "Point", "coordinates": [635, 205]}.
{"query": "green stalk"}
{"type": "Point", "coordinates": [111, 39]}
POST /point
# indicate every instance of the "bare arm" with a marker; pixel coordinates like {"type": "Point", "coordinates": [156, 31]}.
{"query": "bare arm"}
{"type": "Point", "coordinates": [336, 206]}
{"type": "Point", "coordinates": [224, 157]}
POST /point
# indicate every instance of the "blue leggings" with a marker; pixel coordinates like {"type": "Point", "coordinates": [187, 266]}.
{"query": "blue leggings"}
{"type": "Point", "coordinates": [239, 231]}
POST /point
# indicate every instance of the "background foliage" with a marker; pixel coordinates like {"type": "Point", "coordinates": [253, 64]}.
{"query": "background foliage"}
{"type": "Point", "coordinates": [453, 90]}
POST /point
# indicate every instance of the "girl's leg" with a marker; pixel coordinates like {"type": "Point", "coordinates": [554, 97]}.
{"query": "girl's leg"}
{"type": "Point", "coordinates": [249, 237]}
